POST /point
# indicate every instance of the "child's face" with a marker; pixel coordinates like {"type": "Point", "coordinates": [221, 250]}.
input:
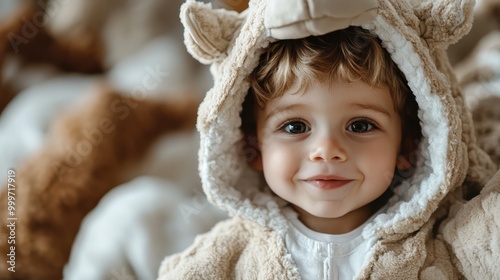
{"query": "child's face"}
{"type": "Point", "coordinates": [329, 151]}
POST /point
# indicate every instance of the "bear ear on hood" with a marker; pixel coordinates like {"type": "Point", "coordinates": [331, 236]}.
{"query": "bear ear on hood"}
{"type": "Point", "coordinates": [208, 31]}
{"type": "Point", "coordinates": [444, 22]}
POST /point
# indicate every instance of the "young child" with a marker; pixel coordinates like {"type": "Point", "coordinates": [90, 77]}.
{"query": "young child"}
{"type": "Point", "coordinates": [334, 120]}
{"type": "Point", "coordinates": [316, 147]}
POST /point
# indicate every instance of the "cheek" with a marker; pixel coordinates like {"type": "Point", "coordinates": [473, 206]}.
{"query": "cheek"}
{"type": "Point", "coordinates": [279, 160]}
{"type": "Point", "coordinates": [274, 155]}
{"type": "Point", "coordinates": [379, 157]}
{"type": "Point", "coordinates": [377, 164]}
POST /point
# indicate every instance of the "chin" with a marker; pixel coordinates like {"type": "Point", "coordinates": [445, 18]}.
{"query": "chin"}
{"type": "Point", "coordinates": [324, 212]}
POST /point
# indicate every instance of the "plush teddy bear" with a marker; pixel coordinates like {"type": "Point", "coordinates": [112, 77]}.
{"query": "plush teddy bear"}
{"type": "Point", "coordinates": [100, 141]}
{"type": "Point", "coordinates": [24, 37]}
{"type": "Point", "coordinates": [88, 151]}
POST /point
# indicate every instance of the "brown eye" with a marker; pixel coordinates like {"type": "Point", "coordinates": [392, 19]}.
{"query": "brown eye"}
{"type": "Point", "coordinates": [295, 127]}
{"type": "Point", "coordinates": [360, 127]}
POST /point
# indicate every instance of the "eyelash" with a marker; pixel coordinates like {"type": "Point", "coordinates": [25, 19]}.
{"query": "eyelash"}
{"type": "Point", "coordinates": [283, 126]}
{"type": "Point", "coordinates": [365, 120]}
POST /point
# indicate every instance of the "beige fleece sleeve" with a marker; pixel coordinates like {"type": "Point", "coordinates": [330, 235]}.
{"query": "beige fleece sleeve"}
{"type": "Point", "coordinates": [233, 249]}
{"type": "Point", "coordinates": [474, 234]}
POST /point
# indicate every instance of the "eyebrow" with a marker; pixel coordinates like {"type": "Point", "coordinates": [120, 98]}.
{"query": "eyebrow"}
{"type": "Point", "coordinates": [372, 107]}
{"type": "Point", "coordinates": [281, 109]}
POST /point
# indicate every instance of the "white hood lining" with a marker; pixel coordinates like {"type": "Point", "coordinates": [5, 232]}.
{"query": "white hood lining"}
{"type": "Point", "coordinates": [413, 196]}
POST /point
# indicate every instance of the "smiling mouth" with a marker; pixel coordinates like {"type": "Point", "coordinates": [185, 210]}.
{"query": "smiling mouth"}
{"type": "Point", "coordinates": [327, 184]}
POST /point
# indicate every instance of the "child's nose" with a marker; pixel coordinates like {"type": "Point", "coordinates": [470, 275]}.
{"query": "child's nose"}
{"type": "Point", "coordinates": [328, 149]}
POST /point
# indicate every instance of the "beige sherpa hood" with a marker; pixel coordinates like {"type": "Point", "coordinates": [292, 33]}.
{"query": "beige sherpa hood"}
{"type": "Point", "coordinates": [415, 33]}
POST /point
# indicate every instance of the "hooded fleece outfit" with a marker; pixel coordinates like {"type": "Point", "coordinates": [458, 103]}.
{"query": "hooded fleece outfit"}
{"type": "Point", "coordinates": [441, 223]}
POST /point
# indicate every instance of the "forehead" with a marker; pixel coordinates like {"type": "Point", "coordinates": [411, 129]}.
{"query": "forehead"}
{"type": "Point", "coordinates": [337, 91]}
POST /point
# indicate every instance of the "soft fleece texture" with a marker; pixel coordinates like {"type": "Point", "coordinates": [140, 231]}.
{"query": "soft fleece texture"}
{"type": "Point", "coordinates": [430, 231]}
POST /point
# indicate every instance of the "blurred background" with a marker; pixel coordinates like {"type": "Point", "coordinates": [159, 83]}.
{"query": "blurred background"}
{"type": "Point", "coordinates": [97, 118]}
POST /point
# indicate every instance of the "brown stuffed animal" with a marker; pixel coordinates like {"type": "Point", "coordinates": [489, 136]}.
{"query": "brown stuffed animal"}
{"type": "Point", "coordinates": [88, 151]}
{"type": "Point", "coordinates": [23, 36]}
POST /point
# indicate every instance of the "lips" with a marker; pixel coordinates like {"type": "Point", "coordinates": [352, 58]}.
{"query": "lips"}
{"type": "Point", "coordinates": [327, 182]}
